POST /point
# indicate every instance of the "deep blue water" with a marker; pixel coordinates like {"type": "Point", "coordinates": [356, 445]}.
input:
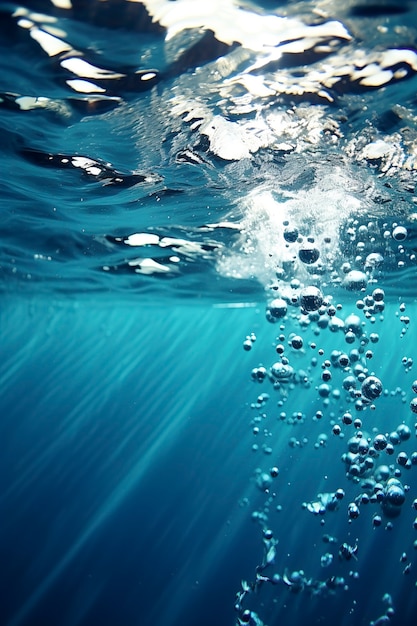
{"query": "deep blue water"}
{"type": "Point", "coordinates": [209, 301]}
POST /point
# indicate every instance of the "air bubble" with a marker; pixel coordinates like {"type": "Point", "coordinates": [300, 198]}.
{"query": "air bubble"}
{"type": "Point", "coordinates": [297, 342]}
{"type": "Point", "coordinates": [371, 388]}
{"type": "Point", "coordinates": [399, 233]}
{"type": "Point", "coordinates": [277, 308]}
{"type": "Point", "coordinates": [311, 299]}
{"type": "Point", "coordinates": [355, 280]}
{"type": "Point", "coordinates": [308, 254]}
{"type": "Point", "coordinates": [290, 234]}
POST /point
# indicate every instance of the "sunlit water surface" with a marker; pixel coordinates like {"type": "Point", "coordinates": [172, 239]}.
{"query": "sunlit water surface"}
{"type": "Point", "coordinates": [208, 277]}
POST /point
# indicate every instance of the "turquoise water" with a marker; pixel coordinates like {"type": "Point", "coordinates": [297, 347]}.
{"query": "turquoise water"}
{"type": "Point", "coordinates": [208, 279]}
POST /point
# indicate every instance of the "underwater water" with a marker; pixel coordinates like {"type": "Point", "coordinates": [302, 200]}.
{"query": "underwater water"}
{"type": "Point", "coordinates": [208, 274]}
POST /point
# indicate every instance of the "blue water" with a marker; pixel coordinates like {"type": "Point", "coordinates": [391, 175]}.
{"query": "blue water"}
{"type": "Point", "coordinates": [169, 171]}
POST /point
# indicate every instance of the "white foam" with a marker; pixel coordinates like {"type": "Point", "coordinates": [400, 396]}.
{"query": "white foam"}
{"type": "Point", "coordinates": [317, 212]}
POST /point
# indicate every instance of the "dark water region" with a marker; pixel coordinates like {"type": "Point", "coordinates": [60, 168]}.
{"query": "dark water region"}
{"type": "Point", "coordinates": [118, 498]}
{"type": "Point", "coordinates": [208, 278]}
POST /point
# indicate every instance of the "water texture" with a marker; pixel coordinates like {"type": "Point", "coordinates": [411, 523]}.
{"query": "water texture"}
{"type": "Point", "coordinates": [208, 243]}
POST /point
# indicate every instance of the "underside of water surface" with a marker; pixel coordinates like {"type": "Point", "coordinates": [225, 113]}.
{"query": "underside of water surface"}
{"type": "Point", "coordinates": [208, 254]}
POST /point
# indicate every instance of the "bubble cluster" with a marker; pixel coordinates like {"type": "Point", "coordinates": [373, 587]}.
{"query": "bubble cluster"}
{"type": "Point", "coordinates": [337, 388]}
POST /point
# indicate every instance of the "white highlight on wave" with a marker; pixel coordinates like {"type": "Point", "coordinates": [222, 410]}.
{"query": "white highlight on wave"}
{"type": "Point", "coordinates": [231, 23]}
